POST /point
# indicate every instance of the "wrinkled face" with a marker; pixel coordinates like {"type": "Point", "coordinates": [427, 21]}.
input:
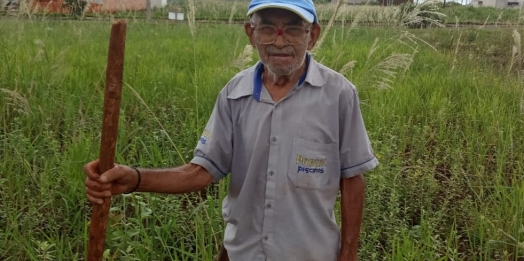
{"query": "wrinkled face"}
{"type": "Point", "coordinates": [287, 52]}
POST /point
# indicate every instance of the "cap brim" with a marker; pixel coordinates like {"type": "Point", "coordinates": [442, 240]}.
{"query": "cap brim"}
{"type": "Point", "coordinates": [293, 8]}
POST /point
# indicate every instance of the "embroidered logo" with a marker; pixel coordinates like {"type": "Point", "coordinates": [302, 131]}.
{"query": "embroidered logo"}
{"type": "Point", "coordinates": [205, 136]}
{"type": "Point", "coordinates": [306, 165]}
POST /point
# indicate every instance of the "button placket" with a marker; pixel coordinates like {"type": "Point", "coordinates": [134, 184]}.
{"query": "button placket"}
{"type": "Point", "coordinates": [272, 165]}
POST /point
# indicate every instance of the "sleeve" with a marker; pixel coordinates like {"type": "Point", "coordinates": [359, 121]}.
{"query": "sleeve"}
{"type": "Point", "coordinates": [215, 147]}
{"type": "Point", "coordinates": [356, 154]}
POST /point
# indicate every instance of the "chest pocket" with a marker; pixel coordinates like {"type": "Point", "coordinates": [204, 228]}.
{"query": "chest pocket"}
{"type": "Point", "coordinates": [312, 164]}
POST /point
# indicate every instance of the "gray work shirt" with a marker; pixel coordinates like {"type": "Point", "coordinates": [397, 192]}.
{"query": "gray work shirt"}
{"type": "Point", "coordinates": [286, 160]}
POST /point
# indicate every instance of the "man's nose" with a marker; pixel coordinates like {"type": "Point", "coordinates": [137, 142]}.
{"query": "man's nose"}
{"type": "Point", "coordinates": [279, 40]}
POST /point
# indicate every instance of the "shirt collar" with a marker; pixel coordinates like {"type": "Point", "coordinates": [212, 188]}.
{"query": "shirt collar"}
{"type": "Point", "coordinates": [243, 88]}
{"type": "Point", "coordinates": [311, 75]}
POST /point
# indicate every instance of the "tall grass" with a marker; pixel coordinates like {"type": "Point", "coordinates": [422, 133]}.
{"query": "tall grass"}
{"type": "Point", "coordinates": [51, 122]}
{"type": "Point", "coordinates": [445, 120]}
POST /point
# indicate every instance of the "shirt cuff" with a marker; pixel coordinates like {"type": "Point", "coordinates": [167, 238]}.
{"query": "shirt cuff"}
{"type": "Point", "coordinates": [360, 168]}
{"type": "Point", "coordinates": [210, 166]}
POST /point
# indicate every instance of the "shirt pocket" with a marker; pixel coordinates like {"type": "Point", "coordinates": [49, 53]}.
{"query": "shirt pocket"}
{"type": "Point", "coordinates": [312, 163]}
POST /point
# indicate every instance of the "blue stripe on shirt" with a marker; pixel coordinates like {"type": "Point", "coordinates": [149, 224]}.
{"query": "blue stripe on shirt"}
{"type": "Point", "coordinates": [214, 165]}
{"type": "Point", "coordinates": [350, 167]}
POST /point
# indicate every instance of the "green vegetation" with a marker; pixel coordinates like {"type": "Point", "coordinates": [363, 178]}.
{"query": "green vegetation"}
{"type": "Point", "coordinates": [482, 15]}
{"type": "Point", "coordinates": [371, 14]}
{"type": "Point", "coordinates": [444, 109]}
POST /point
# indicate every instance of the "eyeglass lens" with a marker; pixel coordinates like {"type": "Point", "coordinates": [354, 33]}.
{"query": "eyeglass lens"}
{"type": "Point", "coordinates": [267, 34]}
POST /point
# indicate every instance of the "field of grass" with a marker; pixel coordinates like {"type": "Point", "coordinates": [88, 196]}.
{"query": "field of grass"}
{"type": "Point", "coordinates": [371, 14]}
{"type": "Point", "coordinates": [444, 109]}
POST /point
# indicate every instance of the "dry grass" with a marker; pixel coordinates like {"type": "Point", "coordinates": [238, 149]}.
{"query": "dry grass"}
{"type": "Point", "coordinates": [328, 27]}
{"type": "Point", "coordinates": [243, 60]}
{"type": "Point", "coordinates": [425, 13]}
{"type": "Point", "coordinates": [387, 70]}
{"type": "Point", "coordinates": [17, 101]}
{"type": "Point", "coordinates": [369, 14]}
{"type": "Point", "coordinates": [516, 53]}
{"type": "Point", "coordinates": [348, 67]}
{"type": "Point", "coordinates": [191, 17]}
{"type": "Point", "coordinates": [233, 11]}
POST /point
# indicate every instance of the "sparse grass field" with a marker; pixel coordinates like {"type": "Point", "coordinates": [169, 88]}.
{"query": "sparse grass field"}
{"type": "Point", "coordinates": [444, 109]}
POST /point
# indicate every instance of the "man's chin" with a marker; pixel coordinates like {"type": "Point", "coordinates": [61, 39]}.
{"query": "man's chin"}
{"type": "Point", "coordinates": [280, 70]}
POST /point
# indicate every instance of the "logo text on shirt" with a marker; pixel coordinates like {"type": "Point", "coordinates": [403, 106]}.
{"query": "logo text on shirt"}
{"type": "Point", "coordinates": [306, 165]}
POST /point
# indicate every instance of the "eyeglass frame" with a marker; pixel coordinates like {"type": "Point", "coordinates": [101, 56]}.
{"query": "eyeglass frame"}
{"type": "Point", "coordinates": [282, 32]}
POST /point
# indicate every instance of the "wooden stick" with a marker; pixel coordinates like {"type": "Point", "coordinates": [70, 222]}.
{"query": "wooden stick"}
{"type": "Point", "coordinates": [113, 91]}
{"type": "Point", "coordinates": [222, 255]}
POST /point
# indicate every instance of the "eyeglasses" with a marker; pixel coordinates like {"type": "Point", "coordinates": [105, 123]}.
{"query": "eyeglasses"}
{"type": "Point", "coordinates": [292, 35]}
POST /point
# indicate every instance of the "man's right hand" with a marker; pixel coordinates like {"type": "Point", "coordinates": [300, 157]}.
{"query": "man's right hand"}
{"type": "Point", "coordinates": [116, 180]}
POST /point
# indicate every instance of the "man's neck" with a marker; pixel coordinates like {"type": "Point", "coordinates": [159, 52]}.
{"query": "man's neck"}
{"type": "Point", "coordinates": [279, 86]}
{"type": "Point", "coordinates": [272, 80]}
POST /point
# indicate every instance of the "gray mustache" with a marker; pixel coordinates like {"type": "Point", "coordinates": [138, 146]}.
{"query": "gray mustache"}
{"type": "Point", "coordinates": [273, 50]}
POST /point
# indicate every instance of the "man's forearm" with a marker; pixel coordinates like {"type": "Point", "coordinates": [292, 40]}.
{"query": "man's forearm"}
{"type": "Point", "coordinates": [183, 179]}
{"type": "Point", "coordinates": [352, 205]}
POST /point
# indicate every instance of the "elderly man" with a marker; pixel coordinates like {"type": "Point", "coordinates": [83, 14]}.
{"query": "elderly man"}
{"type": "Point", "coordinates": [290, 133]}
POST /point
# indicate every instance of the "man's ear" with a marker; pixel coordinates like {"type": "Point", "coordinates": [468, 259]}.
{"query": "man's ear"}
{"type": "Point", "coordinates": [249, 32]}
{"type": "Point", "coordinates": [314, 34]}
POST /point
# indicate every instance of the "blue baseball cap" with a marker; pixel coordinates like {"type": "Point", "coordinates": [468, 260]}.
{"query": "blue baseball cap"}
{"type": "Point", "coordinates": [303, 8]}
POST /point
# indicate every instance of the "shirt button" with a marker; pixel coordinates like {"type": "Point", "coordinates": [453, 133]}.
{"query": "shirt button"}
{"type": "Point", "coordinates": [268, 206]}
{"type": "Point", "coordinates": [266, 238]}
{"type": "Point", "coordinates": [273, 138]}
{"type": "Point", "coordinates": [271, 173]}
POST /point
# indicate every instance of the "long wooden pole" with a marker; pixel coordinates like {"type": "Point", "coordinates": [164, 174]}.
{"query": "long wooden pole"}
{"type": "Point", "coordinates": [113, 91]}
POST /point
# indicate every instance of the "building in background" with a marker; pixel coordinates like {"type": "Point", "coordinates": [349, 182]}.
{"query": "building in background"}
{"type": "Point", "coordinates": [128, 5]}
{"type": "Point", "coordinates": [120, 5]}
{"type": "Point", "coordinates": [394, 2]}
{"type": "Point", "coordinates": [383, 2]}
{"type": "Point", "coordinates": [350, 2]}
{"type": "Point", "coordinates": [57, 6]}
{"type": "Point", "coordinates": [498, 3]}
{"type": "Point", "coordinates": [158, 3]}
